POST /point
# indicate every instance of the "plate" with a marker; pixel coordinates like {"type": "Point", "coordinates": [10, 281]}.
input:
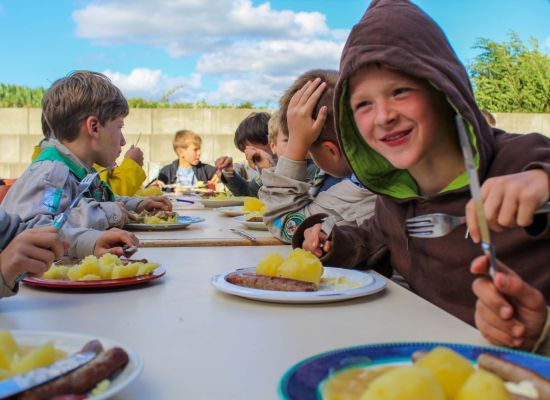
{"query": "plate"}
{"type": "Point", "coordinates": [303, 381]}
{"type": "Point", "coordinates": [233, 211]}
{"type": "Point", "coordinates": [371, 282]}
{"type": "Point", "coordinates": [212, 203]}
{"type": "Point", "coordinates": [73, 342]}
{"type": "Point", "coordinates": [183, 222]}
{"type": "Point", "coordinates": [100, 284]}
{"type": "Point", "coordinates": [258, 226]}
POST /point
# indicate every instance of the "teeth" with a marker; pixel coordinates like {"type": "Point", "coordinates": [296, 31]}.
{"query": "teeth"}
{"type": "Point", "coordinates": [399, 136]}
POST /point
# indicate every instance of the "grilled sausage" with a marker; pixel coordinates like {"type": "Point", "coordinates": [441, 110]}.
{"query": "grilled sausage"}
{"type": "Point", "coordinates": [250, 279]}
{"type": "Point", "coordinates": [83, 379]}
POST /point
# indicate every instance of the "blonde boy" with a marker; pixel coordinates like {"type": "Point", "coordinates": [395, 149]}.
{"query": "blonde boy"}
{"type": "Point", "coordinates": [187, 170]}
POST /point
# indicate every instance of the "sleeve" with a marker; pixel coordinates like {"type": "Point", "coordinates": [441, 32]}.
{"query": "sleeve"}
{"type": "Point", "coordinates": [165, 176]}
{"type": "Point", "coordinates": [240, 187]}
{"type": "Point", "coordinates": [125, 179]}
{"type": "Point", "coordinates": [10, 226]}
{"type": "Point", "coordinates": [210, 171]}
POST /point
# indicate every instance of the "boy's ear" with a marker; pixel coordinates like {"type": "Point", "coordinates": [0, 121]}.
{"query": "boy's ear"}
{"type": "Point", "coordinates": [332, 148]}
{"type": "Point", "coordinates": [92, 126]}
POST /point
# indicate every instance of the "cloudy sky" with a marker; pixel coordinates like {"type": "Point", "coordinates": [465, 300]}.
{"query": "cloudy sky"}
{"type": "Point", "coordinates": [220, 50]}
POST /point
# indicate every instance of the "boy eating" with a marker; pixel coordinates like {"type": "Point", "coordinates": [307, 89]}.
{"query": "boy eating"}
{"type": "Point", "coordinates": [399, 89]}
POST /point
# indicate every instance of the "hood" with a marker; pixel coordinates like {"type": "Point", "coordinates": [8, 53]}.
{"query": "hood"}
{"type": "Point", "coordinates": [399, 35]}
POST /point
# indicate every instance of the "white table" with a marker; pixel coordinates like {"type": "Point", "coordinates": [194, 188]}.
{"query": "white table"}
{"type": "Point", "coordinates": [198, 343]}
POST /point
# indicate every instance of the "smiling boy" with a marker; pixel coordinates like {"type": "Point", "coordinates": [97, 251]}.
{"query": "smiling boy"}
{"type": "Point", "coordinates": [85, 114]}
{"type": "Point", "coordinates": [400, 86]}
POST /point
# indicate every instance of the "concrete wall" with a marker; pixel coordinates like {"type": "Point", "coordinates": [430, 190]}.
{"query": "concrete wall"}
{"type": "Point", "coordinates": [20, 130]}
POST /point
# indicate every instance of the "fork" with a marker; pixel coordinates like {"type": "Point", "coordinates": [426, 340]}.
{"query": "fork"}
{"type": "Point", "coordinates": [439, 224]}
{"type": "Point", "coordinates": [60, 219]}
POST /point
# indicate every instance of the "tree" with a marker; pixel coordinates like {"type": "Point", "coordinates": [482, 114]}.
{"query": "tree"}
{"type": "Point", "coordinates": [509, 77]}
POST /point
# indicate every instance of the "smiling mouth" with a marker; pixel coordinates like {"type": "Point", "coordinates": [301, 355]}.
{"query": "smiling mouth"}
{"type": "Point", "coordinates": [396, 136]}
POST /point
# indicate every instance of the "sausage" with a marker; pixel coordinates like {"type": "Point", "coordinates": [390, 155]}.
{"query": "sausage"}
{"type": "Point", "coordinates": [83, 379]}
{"type": "Point", "coordinates": [250, 279]}
{"type": "Point", "coordinates": [511, 372]}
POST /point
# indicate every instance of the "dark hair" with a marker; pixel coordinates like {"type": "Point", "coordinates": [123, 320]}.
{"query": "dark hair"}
{"type": "Point", "coordinates": [253, 129]}
{"type": "Point", "coordinates": [330, 77]}
{"type": "Point", "coordinates": [72, 99]}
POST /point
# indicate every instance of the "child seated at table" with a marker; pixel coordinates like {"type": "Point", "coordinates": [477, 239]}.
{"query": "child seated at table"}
{"type": "Point", "coordinates": [33, 250]}
{"type": "Point", "coordinates": [251, 137]}
{"type": "Point", "coordinates": [187, 170]}
{"type": "Point", "coordinates": [306, 114]}
{"type": "Point", "coordinates": [85, 115]}
{"type": "Point", "coordinates": [399, 90]}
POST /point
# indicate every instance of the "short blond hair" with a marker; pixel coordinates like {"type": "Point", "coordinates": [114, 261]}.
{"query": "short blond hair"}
{"type": "Point", "coordinates": [184, 138]}
{"type": "Point", "coordinates": [274, 127]}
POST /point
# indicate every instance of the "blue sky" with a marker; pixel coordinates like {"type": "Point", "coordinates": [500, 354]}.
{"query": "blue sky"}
{"type": "Point", "coordinates": [220, 50]}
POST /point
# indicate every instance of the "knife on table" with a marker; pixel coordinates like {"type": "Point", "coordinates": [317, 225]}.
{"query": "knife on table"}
{"type": "Point", "coordinates": [19, 383]}
{"type": "Point", "coordinates": [475, 191]}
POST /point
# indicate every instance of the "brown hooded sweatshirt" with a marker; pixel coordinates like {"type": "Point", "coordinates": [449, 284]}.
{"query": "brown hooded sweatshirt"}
{"type": "Point", "coordinates": [397, 34]}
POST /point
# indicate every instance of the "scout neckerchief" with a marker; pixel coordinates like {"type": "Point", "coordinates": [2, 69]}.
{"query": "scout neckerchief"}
{"type": "Point", "coordinates": [99, 191]}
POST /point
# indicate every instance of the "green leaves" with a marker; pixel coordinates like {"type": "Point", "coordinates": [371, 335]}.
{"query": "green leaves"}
{"type": "Point", "coordinates": [510, 77]}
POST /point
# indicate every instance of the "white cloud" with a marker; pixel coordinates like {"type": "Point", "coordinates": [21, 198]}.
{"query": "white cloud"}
{"type": "Point", "coordinates": [152, 84]}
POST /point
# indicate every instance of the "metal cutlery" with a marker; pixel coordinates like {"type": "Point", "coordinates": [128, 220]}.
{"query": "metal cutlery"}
{"type": "Point", "coordinates": [327, 226]}
{"type": "Point", "coordinates": [243, 234]}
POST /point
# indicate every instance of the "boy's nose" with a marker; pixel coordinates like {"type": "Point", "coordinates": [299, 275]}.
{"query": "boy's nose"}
{"type": "Point", "coordinates": [385, 113]}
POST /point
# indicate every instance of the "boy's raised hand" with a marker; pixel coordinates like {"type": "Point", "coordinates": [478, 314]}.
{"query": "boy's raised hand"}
{"type": "Point", "coordinates": [135, 153]}
{"type": "Point", "coordinates": [303, 130]}
{"type": "Point", "coordinates": [32, 251]}
{"type": "Point", "coordinates": [155, 203]}
{"type": "Point", "coordinates": [113, 240]}
{"type": "Point", "coordinates": [224, 163]}
{"type": "Point", "coordinates": [509, 201]}
{"type": "Point", "coordinates": [509, 312]}
{"type": "Point", "coordinates": [258, 157]}
{"type": "Point", "coordinates": [313, 237]}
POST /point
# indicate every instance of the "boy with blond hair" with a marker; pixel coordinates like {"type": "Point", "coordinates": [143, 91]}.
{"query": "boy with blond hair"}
{"type": "Point", "coordinates": [399, 91]}
{"type": "Point", "coordinates": [187, 170]}
{"type": "Point", "coordinates": [85, 114]}
{"type": "Point", "coordinates": [306, 115]}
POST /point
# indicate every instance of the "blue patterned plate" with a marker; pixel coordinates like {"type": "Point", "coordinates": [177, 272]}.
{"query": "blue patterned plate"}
{"type": "Point", "coordinates": [304, 380]}
{"type": "Point", "coordinates": [183, 222]}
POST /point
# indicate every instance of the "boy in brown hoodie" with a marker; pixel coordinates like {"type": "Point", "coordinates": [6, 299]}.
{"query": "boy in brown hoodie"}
{"type": "Point", "coordinates": [400, 87]}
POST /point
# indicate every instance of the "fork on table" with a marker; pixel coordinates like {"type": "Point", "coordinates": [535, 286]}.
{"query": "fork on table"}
{"type": "Point", "coordinates": [439, 224]}
{"type": "Point", "coordinates": [60, 219]}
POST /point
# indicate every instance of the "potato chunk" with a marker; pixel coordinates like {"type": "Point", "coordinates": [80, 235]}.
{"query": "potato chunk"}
{"type": "Point", "coordinates": [36, 358]}
{"type": "Point", "coordinates": [8, 348]}
{"type": "Point", "coordinates": [269, 264]}
{"type": "Point", "coordinates": [483, 385]}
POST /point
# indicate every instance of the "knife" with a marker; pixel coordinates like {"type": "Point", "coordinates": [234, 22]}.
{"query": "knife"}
{"type": "Point", "coordinates": [475, 191]}
{"type": "Point", "coordinates": [243, 234]}
{"type": "Point", "coordinates": [28, 380]}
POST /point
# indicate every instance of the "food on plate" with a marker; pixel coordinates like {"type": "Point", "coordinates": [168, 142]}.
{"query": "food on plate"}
{"type": "Point", "coordinates": [224, 196]}
{"type": "Point", "coordinates": [153, 217]}
{"type": "Point", "coordinates": [149, 191]}
{"type": "Point", "coordinates": [300, 271]}
{"type": "Point", "coordinates": [252, 204]}
{"type": "Point", "coordinates": [93, 376]}
{"type": "Point", "coordinates": [453, 377]}
{"type": "Point", "coordinates": [91, 268]}
{"type": "Point", "coordinates": [255, 216]}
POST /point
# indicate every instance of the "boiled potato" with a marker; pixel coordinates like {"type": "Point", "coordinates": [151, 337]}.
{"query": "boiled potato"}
{"type": "Point", "coordinates": [90, 266]}
{"type": "Point", "coordinates": [404, 383]}
{"type": "Point", "coordinates": [124, 271]}
{"type": "Point", "coordinates": [449, 368]}
{"type": "Point", "coordinates": [483, 385]}
{"type": "Point", "coordinates": [38, 357]}
{"type": "Point", "coordinates": [302, 269]}
{"type": "Point", "coordinates": [90, 277]}
{"type": "Point", "coordinates": [147, 268]}
{"type": "Point", "coordinates": [269, 264]}
{"type": "Point", "coordinates": [57, 272]}
{"type": "Point", "coordinates": [8, 348]}
{"type": "Point", "coordinates": [253, 204]}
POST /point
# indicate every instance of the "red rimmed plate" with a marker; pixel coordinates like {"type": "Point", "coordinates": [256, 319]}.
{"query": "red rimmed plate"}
{"type": "Point", "coordinates": [100, 284]}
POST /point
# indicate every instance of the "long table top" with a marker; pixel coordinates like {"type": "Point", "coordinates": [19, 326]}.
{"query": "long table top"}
{"type": "Point", "coordinates": [198, 343]}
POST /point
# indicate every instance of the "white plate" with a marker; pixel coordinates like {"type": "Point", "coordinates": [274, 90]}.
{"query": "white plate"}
{"type": "Point", "coordinates": [234, 211]}
{"type": "Point", "coordinates": [73, 342]}
{"type": "Point", "coordinates": [183, 222]}
{"type": "Point", "coordinates": [211, 203]}
{"type": "Point", "coordinates": [371, 282]}
{"type": "Point", "coordinates": [258, 226]}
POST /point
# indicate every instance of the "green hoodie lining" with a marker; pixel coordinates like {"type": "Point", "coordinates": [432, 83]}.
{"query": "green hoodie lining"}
{"type": "Point", "coordinates": [375, 171]}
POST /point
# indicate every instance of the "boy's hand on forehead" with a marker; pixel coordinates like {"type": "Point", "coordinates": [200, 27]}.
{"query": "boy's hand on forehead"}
{"type": "Point", "coordinates": [303, 129]}
{"type": "Point", "coordinates": [509, 312]}
{"type": "Point", "coordinates": [154, 203]}
{"type": "Point", "coordinates": [509, 201]}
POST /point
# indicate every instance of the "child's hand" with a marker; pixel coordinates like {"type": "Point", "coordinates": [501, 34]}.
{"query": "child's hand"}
{"type": "Point", "coordinates": [123, 214]}
{"type": "Point", "coordinates": [112, 241]}
{"type": "Point", "coordinates": [31, 251]}
{"type": "Point", "coordinates": [158, 183]}
{"type": "Point", "coordinates": [303, 130]}
{"type": "Point", "coordinates": [509, 201]}
{"type": "Point", "coordinates": [154, 203]}
{"type": "Point", "coordinates": [135, 154]}
{"type": "Point", "coordinates": [313, 237]}
{"type": "Point", "coordinates": [509, 312]}
{"type": "Point", "coordinates": [258, 157]}
{"type": "Point", "coordinates": [224, 164]}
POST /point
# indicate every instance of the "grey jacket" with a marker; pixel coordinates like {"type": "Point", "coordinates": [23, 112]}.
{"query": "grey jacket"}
{"type": "Point", "coordinates": [47, 188]}
{"type": "Point", "coordinates": [10, 226]}
{"type": "Point", "coordinates": [286, 194]}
